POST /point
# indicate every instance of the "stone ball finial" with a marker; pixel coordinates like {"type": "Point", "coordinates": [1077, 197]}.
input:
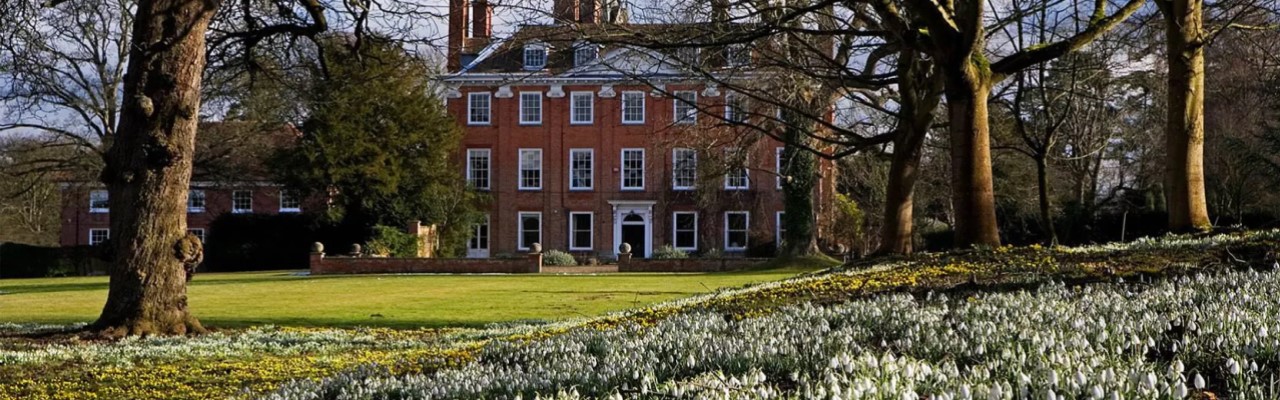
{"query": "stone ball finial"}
{"type": "Point", "coordinates": [317, 247]}
{"type": "Point", "coordinates": [624, 248]}
{"type": "Point", "coordinates": [355, 249]}
{"type": "Point", "coordinates": [535, 248]}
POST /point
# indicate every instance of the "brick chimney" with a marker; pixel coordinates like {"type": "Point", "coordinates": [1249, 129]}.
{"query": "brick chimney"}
{"type": "Point", "coordinates": [565, 11]}
{"type": "Point", "coordinates": [457, 34]}
{"type": "Point", "coordinates": [482, 19]}
{"type": "Point", "coordinates": [589, 12]}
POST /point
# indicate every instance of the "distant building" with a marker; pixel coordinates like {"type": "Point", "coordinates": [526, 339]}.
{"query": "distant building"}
{"type": "Point", "coordinates": [229, 178]}
{"type": "Point", "coordinates": [578, 155]}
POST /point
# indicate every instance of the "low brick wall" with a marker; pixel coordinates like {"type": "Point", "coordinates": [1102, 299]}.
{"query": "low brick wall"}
{"type": "Point", "coordinates": [628, 264]}
{"type": "Point", "coordinates": [322, 265]}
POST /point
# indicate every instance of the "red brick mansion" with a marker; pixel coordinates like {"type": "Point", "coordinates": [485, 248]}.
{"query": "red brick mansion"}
{"type": "Point", "coordinates": [579, 155]}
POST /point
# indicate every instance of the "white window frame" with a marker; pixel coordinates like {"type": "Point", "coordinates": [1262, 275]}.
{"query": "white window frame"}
{"type": "Point", "coordinates": [535, 48]}
{"type": "Point", "coordinates": [591, 169]}
{"type": "Point", "coordinates": [191, 198]}
{"type": "Point", "coordinates": [623, 102]}
{"type": "Point", "coordinates": [574, 108]}
{"type": "Point", "coordinates": [475, 232]}
{"type": "Point", "coordinates": [675, 230]}
{"type": "Point", "coordinates": [746, 174]}
{"type": "Point", "coordinates": [238, 210]}
{"type": "Point", "coordinates": [622, 164]}
{"type": "Point", "coordinates": [690, 107]}
{"type": "Point", "coordinates": [106, 199]}
{"type": "Point", "coordinates": [746, 231]}
{"type": "Point", "coordinates": [488, 171]}
{"type": "Point", "coordinates": [675, 160]}
{"type": "Point", "coordinates": [591, 231]}
{"type": "Point", "coordinates": [284, 209]}
{"type": "Point", "coordinates": [520, 169]}
{"type": "Point", "coordinates": [777, 167]}
{"type": "Point", "coordinates": [524, 98]}
{"type": "Point", "coordinates": [777, 228]}
{"type": "Point", "coordinates": [471, 107]}
{"type": "Point", "coordinates": [104, 231]}
{"type": "Point", "coordinates": [198, 232]}
{"type": "Point", "coordinates": [520, 244]}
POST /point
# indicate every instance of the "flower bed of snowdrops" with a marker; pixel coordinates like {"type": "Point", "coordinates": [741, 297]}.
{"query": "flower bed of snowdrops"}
{"type": "Point", "coordinates": [1173, 339]}
{"type": "Point", "coordinates": [981, 323]}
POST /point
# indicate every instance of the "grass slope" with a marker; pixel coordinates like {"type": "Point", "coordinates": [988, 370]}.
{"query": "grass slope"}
{"type": "Point", "coordinates": [284, 298]}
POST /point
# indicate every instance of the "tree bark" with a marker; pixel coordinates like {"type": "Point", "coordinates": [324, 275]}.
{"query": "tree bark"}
{"type": "Point", "coordinates": [920, 94]}
{"type": "Point", "coordinates": [1184, 126]}
{"type": "Point", "coordinates": [968, 84]}
{"type": "Point", "coordinates": [800, 178]}
{"type": "Point", "coordinates": [148, 172]}
{"type": "Point", "coordinates": [1046, 212]}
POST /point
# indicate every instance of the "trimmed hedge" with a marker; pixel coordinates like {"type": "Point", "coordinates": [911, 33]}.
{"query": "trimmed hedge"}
{"type": "Point", "coordinates": [26, 261]}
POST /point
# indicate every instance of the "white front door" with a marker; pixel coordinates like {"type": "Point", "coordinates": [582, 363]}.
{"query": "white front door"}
{"type": "Point", "coordinates": [633, 224]}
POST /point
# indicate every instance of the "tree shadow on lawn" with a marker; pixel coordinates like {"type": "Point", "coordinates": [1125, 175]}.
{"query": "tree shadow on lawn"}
{"type": "Point", "coordinates": [104, 284]}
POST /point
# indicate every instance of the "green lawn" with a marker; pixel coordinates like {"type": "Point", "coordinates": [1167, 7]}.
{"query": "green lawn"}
{"type": "Point", "coordinates": [284, 298]}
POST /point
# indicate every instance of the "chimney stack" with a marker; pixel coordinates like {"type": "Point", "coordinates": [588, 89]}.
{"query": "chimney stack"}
{"type": "Point", "coordinates": [482, 25]}
{"type": "Point", "coordinates": [589, 12]}
{"type": "Point", "coordinates": [565, 11]}
{"type": "Point", "coordinates": [457, 34]}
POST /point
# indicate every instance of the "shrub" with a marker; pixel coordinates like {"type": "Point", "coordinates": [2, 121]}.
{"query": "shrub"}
{"type": "Point", "coordinates": [712, 253]}
{"type": "Point", "coordinates": [666, 252]}
{"type": "Point", "coordinates": [392, 242]}
{"type": "Point", "coordinates": [559, 258]}
{"type": "Point", "coordinates": [254, 242]}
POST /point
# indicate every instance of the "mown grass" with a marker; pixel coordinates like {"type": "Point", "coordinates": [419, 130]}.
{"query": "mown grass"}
{"type": "Point", "coordinates": [398, 301]}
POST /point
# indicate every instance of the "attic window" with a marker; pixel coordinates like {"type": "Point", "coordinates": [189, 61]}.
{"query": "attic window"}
{"type": "Point", "coordinates": [585, 53]}
{"type": "Point", "coordinates": [535, 56]}
{"type": "Point", "coordinates": [738, 54]}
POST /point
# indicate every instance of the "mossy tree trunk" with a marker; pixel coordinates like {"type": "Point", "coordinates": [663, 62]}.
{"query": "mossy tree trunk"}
{"type": "Point", "coordinates": [148, 172]}
{"type": "Point", "coordinates": [968, 84]}
{"type": "Point", "coordinates": [800, 176]}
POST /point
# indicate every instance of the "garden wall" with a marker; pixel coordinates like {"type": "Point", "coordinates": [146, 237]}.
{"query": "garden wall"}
{"type": "Point", "coordinates": [628, 264]}
{"type": "Point", "coordinates": [323, 265]}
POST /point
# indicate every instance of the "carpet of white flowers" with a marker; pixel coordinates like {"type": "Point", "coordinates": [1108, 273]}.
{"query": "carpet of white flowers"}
{"type": "Point", "coordinates": [1170, 317]}
{"type": "Point", "coordinates": [1175, 339]}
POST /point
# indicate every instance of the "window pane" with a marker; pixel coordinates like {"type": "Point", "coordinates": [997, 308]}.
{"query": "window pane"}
{"type": "Point", "coordinates": [633, 168]}
{"type": "Point", "coordinates": [531, 169]}
{"type": "Point", "coordinates": [686, 226]}
{"type": "Point", "coordinates": [582, 106]}
{"type": "Point", "coordinates": [478, 168]}
{"type": "Point", "coordinates": [686, 107]}
{"type": "Point", "coordinates": [530, 108]}
{"type": "Point", "coordinates": [633, 107]}
{"type": "Point", "coordinates": [530, 229]}
{"type": "Point", "coordinates": [478, 108]}
{"type": "Point", "coordinates": [580, 231]}
{"type": "Point", "coordinates": [241, 201]}
{"type": "Point", "coordinates": [684, 168]}
{"type": "Point", "coordinates": [580, 166]}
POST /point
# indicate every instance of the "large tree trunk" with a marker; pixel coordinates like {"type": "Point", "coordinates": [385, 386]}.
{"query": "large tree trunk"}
{"type": "Point", "coordinates": [149, 169]}
{"type": "Point", "coordinates": [1046, 212]}
{"type": "Point", "coordinates": [968, 84]}
{"type": "Point", "coordinates": [800, 178]}
{"type": "Point", "coordinates": [1184, 126]}
{"type": "Point", "coordinates": [920, 94]}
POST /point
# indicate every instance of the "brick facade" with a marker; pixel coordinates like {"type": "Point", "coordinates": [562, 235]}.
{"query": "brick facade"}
{"type": "Point", "coordinates": [543, 63]}
{"type": "Point", "coordinates": [78, 220]}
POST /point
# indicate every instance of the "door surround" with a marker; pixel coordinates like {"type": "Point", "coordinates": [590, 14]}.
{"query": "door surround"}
{"type": "Point", "coordinates": [643, 208]}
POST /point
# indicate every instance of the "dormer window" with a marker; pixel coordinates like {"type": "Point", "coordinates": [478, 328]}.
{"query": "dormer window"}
{"type": "Point", "coordinates": [585, 53]}
{"type": "Point", "coordinates": [687, 55]}
{"type": "Point", "coordinates": [535, 56]}
{"type": "Point", "coordinates": [738, 54]}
